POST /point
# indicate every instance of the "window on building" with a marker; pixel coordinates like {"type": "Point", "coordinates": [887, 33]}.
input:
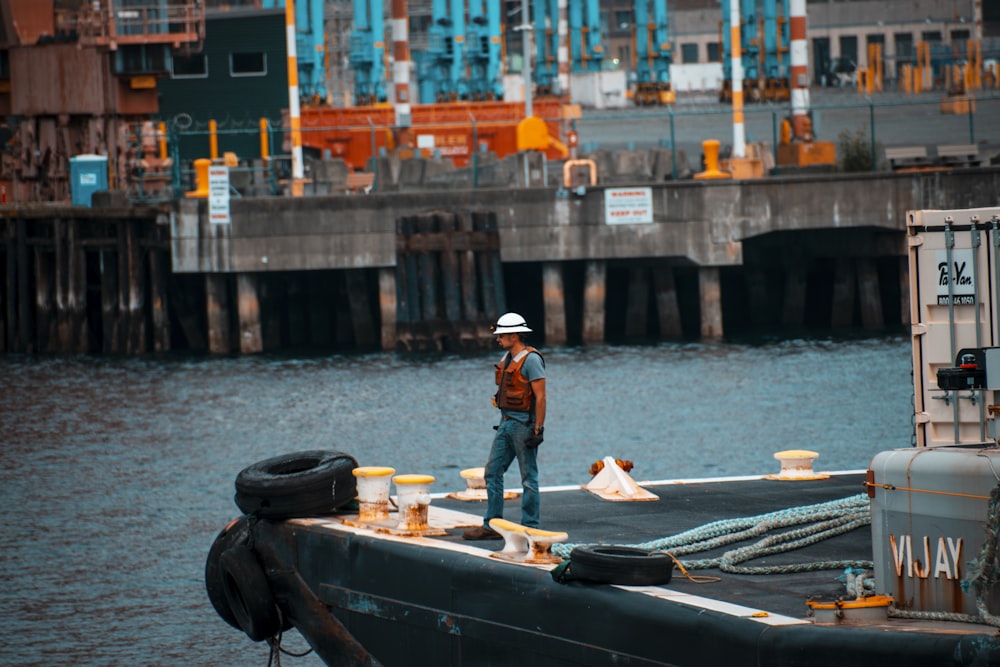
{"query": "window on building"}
{"type": "Point", "coordinates": [248, 63]}
{"type": "Point", "coordinates": [931, 36]}
{"type": "Point", "coordinates": [960, 42]}
{"type": "Point", "coordinates": [904, 45]}
{"type": "Point", "coordinates": [849, 48]}
{"type": "Point", "coordinates": [689, 53]}
{"type": "Point", "coordinates": [194, 66]}
{"type": "Point", "coordinates": [714, 49]}
{"type": "Point", "coordinates": [623, 20]}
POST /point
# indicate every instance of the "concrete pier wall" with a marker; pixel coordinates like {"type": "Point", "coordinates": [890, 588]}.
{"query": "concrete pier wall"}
{"type": "Point", "coordinates": [429, 270]}
{"type": "Point", "coordinates": [703, 223]}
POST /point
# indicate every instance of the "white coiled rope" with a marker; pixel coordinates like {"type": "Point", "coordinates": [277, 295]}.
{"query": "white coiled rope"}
{"type": "Point", "coordinates": [827, 520]}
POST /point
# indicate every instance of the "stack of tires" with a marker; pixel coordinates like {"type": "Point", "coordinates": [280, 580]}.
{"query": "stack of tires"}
{"type": "Point", "coordinates": [301, 484]}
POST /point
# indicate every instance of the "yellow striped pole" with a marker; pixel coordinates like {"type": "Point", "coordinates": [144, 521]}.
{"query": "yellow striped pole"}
{"type": "Point", "coordinates": [739, 133]}
{"type": "Point", "coordinates": [293, 98]}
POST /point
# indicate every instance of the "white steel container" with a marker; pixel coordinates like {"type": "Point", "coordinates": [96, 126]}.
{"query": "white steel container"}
{"type": "Point", "coordinates": [954, 304]}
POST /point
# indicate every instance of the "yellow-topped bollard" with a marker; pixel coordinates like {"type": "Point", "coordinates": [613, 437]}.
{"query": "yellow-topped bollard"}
{"type": "Point", "coordinates": [413, 499]}
{"type": "Point", "coordinates": [200, 179]}
{"type": "Point", "coordinates": [710, 147]}
{"type": "Point", "coordinates": [373, 492]}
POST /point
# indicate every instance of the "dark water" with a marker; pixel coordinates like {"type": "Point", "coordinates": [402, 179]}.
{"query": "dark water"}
{"type": "Point", "coordinates": [116, 474]}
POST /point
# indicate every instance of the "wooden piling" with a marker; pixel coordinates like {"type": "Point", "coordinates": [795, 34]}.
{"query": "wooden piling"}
{"type": "Point", "coordinates": [667, 306]}
{"type": "Point", "coordinates": [43, 300]}
{"type": "Point", "coordinates": [439, 258]}
{"type": "Point", "coordinates": [594, 291]}
{"type": "Point", "coordinates": [76, 290]}
{"type": "Point", "coordinates": [136, 290]}
{"type": "Point", "coordinates": [361, 311]}
{"type": "Point", "coordinates": [61, 338]}
{"type": "Point", "coordinates": [710, 295]}
{"type": "Point", "coordinates": [321, 308]}
{"type": "Point", "coordinates": [24, 319]}
{"type": "Point", "coordinates": [296, 304]}
{"type": "Point", "coordinates": [270, 287]}
{"type": "Point", "coordinates": [869, 294]}
{"type": "Point", "coordinates": [159, 296]}
{"type": "Point", "coordinates": [387, 306]}
{"type": "Point", "coordinates": [109, 302]}
{"type": "Point", "coordinates": [451, 282]}
{"type": "Point", "coordinates": [794, 306]}
{"type": "Point", "coordinates": [494, 291]}
{"type": "Point", "coordinates": [554, 298]}
{"type": "Point", "coordinates": [637, 303]}
{"type": "Point", "coordinates": [248, 309]}
{"type": "Point", "coordinates": [842, 307]}
{"type": "Point", "coordinates": [9, 333]}
{"type": "Point", "coordinates": [467, 269]}
{"type": "Point", "coordinates": [427, 271]}
{"type": "Point", "coordinates": [217, 310]}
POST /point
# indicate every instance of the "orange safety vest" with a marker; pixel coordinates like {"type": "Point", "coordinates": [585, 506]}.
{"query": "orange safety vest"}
{"type": "Point", "coordinates": [513, 389]}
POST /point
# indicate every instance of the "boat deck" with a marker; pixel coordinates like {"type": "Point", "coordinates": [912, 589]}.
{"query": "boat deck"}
{"type": "Point", "coordinates": [456, 603]}
{"type": "Point", "coordinates": [589, 519]}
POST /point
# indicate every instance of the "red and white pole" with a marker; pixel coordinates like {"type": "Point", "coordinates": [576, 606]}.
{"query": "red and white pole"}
{"type": "Point", "coordinates": [562, 53]}
{"type": "Point", "coordinates": [801, 124]}
{"type": "Point", "coordinates": [401, 62]}
{"type": "Point", "coordinates": [736, 55]}
{"type": "Point", "coordinates": [294, 121]}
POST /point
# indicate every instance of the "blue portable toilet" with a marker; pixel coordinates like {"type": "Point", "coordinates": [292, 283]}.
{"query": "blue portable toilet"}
{"type": "Point", "coordinates": [87, 174]}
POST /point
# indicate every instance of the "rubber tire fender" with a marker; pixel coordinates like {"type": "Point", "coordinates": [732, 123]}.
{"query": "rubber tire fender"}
{"type": "Point", "coordinates": [236, 532]}
{"type": "Point", "coordinates": [305, 483]}
{"type": "Point", "coordinates": [248, 593]}
{"type": "Point", "coordinates": [629, 566]}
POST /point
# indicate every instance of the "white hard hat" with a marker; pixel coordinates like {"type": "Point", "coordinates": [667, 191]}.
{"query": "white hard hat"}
{"type": "Point", "coordinates": [510, 323]}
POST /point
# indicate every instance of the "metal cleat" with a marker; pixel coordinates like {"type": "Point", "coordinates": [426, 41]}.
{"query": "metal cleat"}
{"type": "Point", "coordinates": [526, 545]}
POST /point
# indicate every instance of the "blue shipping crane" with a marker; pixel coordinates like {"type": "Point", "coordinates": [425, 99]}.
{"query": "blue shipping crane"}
{"type": "Point", "coordinates": [545, 15]}
{"type": "Point", "coordinates": [777, 57]}
{"type": "Point", "coordinates": [445, 50]}
{"type": "Point", "coordinates": [651, 66]}
{"type": "Point", "coordinates": [310, 46]}
{"type": "Point", "coordinates": [586, 53]}
{"type": "Point", "coordinates": [368, 52]}
{"type": "Point", "coordinates": [763, 43]}
{"type": "Point", "coordinates": [483, 51]}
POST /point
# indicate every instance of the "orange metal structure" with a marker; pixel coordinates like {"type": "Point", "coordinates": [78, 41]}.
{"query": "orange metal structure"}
{"type": "Point", "coordinates": [451, 129]}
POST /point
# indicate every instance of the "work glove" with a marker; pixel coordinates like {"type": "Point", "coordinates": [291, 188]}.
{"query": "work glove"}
{"type": "Point", "coordinates": [535, 439]}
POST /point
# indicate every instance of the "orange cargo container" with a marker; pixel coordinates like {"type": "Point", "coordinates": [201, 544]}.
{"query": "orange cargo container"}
{"type": "Point", "coordinates": [356, 133]}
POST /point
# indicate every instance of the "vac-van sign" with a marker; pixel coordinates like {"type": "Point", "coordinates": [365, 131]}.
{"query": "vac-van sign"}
{"type": "Point", "coordinates": [961, 276]}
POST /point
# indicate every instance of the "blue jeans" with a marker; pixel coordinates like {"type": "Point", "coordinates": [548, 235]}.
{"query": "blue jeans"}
{"type": "Point", "coordinates": [508, 445]}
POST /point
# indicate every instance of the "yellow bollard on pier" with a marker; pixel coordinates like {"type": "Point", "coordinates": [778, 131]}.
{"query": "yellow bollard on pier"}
{"type": "Point", "coordinates": [711, 149]}
{"type": "Point", "coordinates": [200, 178]}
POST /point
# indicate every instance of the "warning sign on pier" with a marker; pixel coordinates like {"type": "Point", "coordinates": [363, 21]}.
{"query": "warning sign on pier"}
{"type": "Point", "coordinates": [218, 195]}
{"type": "Point", "coordinates": [628, 206]}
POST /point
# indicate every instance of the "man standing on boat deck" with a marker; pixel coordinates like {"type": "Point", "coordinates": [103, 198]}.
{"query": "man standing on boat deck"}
{"type": "Point", "coordinates": [520, 378]}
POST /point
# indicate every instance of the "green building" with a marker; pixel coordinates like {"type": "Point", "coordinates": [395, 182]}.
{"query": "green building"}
{"type": "Point", "coordinates": [239, 77]}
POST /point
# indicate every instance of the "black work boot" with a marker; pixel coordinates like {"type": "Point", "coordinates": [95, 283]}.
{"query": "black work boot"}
{"type": "Point", "coordinates": [481, 533]}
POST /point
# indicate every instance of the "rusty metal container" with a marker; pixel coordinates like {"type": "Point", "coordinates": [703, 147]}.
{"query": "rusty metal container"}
{"type": "Point", "coordinates": [929, 511]}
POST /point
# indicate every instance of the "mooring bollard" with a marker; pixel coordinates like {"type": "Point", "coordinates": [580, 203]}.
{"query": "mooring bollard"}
{"type": "Point", "coordinates": [373, 492]}
{"type": "Point", "coordinates": [413, 499]}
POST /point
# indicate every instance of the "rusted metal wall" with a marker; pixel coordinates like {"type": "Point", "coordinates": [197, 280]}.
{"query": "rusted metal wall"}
{"type": "Point", "coordinates": [25, 21]}
{"type": "Point", "coordinates": [58, 79]}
